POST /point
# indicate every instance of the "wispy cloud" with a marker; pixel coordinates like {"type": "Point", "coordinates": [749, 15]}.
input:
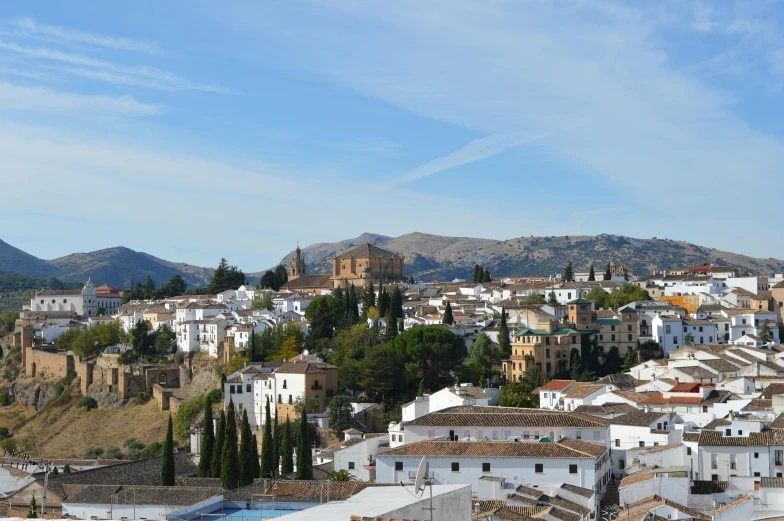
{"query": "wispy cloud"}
{"type": "Point", "coordinates": [39, 99]}
{"type": "Point", "coordinates": [474, 151]}
{"type": "Point", "coordinates": [101, 70]}
{"type": "Point", "coordinates": [52, 33]}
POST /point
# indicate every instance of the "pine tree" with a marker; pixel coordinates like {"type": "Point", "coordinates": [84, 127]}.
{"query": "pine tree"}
{"type": "Point", "coordinates": [552, 299]}
{"type": "Point", "coordinates": [217, 451]}
{"type": "Point", "coordinates": [568, 272]}
{"type": "Point", "coordinates": [267, 451]}
{"type": "Point", "coordinates": [247, 467]}
{"type": "Point", "coordinates": [607, 273]}
{"type": "Point", "coordinates": [448, 318]}
{"type": "Point", "coordinates": [230, 459]}
{"type": "Point", "coordinates": [591, 274]}
{"type": "Point", "coordinates": [304, 455]}
{"type": "Point", "coordinates": [167, 463]}
{"type": "Point", "coordinates": [287, 450]}
{"type": "Point", "coordinates": [504, 344]}
{"type": "Point", "coordinates": [207, 441]}
{"type": "Point", "coordinates": [67, 469]}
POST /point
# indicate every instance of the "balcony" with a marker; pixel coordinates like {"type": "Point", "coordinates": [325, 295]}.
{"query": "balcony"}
{"type": "Point", "coordinates": [316, 387]}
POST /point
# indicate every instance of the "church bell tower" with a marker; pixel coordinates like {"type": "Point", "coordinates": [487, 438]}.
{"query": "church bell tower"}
{"type": "Point", "coordinates": [297, 267]}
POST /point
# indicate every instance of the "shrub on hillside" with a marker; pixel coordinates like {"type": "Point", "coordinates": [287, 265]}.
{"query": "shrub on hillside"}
{"type": "Point", "coordinates": [113, 453]}
{"type": "Point", "coordinates": [93, 453]}
{"type": "Point", "coordinates": [88, 402]}
{"type": "Point", "coordinates": [5, 398]}
{"type": "Point", "coordinates": [152, 450]}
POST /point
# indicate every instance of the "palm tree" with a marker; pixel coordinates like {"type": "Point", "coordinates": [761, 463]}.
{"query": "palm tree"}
{"type": "Point", "coordinates": [341, 475]}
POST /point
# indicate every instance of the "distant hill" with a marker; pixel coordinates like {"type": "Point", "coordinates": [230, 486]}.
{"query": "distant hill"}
{"type": "Point", "coordinates": [433, 257]}
{"type": "Point", "coordinates": [17, 289]}
{"type": "Point", "coordinates": [112, 265]}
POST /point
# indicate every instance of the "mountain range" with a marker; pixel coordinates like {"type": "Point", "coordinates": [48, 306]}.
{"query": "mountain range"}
{"type": "Point", "coordinates": [427, 258]}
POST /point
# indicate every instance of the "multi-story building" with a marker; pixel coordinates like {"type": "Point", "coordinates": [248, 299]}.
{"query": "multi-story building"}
{"type": "Point", "coordinates": [284, 385]}
{"type": "Point", "coordinates": [83, 302]}
{"type": "Point", "coordinates": [367, 264]}
{"type": "Point", "coordinates": [548, 346]}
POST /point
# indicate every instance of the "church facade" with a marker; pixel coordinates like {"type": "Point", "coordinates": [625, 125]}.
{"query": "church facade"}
{"type": "Point", "coordinates": [83, 303]}
{"type": "Point", "coordinates": [367, 264]}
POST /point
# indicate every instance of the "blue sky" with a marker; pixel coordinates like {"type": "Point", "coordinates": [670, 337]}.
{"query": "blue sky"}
{"type": "Point", "coordinates": [195, 130]}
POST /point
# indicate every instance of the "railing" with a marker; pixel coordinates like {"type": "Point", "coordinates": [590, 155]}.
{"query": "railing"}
{"type": "Point", "coordinates": [316, 387]}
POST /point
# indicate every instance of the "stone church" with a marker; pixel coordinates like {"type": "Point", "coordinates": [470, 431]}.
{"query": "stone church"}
{"type": "Point", "coordinates": [359, 266]}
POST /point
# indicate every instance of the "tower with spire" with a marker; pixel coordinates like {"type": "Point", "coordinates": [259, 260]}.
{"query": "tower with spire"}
{"type": "Point", "coordinates": [297, 267]}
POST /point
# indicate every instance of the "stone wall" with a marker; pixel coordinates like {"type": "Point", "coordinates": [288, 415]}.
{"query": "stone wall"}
{"type": "Point", "coordinates": [129, 384]}
{"type": "Point", "coordinates": [47, 362]}
{"type": "Point", "coordinates": [162, 397]}
{"type": "Point", "coordinates": [163, 376]}
{"type": "Point", "coordinates": [84, 370]}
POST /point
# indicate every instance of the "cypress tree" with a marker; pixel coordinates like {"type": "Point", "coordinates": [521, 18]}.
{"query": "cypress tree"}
{"type": "Point", "coordinates": [476, 273]}
{"type": "Point", "coordinates": [207, 441]}
{"type": "Point", "coordinates": [504, 344]}
{"type": "Point", "coordinates": [448, 318]}
{"type": "Point", "coordinates": [607, 273]}
{"type": "Point", "coordinates": [391, 325]}
{"type": "Point", "coordinates": [167, 463]}
{"type": "Point", "coordinates": [230, 460]}
{"type": "Point", "coordinates": [591, 274]}
{"type": "Point", "coordinates": [552, 300]}
{"type": "Point", "coordinates": [217, 451]}
{"type": "Point", "coordinates": [304, 456]}
{"type": "Point", "coordinates": [371, 300]}
{"type": "Point", "coordinates": [275, 446]}
{"type": "Point", "coordinates": [267, 450]}
{"type": "Point", "coordinates": [383, 302]}
{"type": "Point", "coordinates": [568, 272]}
{"type": "Point", "coordinates": [354, 304]}
{"type": "Point", "coordinates": [486, 276]}
{"type": "Point", "coordinates": [256, 461]}
{"type": "Point", "coordinates": [247, 467]}
{"type": "Point", "coordinates": [287, 449]}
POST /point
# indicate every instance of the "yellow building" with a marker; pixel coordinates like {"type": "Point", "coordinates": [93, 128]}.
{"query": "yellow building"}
{"type": "Point", "coordinates": [548, 346]}
{"type": "Point", "coordinates": [365, 264]}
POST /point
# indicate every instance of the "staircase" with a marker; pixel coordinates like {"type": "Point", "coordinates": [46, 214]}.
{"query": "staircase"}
{"type": "Point", "coordinates": [611, 496]}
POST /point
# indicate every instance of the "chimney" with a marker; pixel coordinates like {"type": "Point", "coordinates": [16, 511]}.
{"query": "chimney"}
{"type": "Point", "coordinates": [677, 380]}
{"type": "Point", "coordinates": [647, 409]}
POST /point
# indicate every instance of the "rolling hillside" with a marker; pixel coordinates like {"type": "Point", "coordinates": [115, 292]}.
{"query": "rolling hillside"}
{"type": "Point", "coordinates": [433, 257]}
{"type": "Point", "coordinates": [112, 265]}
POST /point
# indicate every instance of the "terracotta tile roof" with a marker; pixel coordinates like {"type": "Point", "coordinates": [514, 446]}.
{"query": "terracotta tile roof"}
{"type": "Point", "coordinates": [778, 423]}
{"type": "Point", "coordinates": [713, 397]}
{"type": "Point", "coordinates": [758, 405]}
{"type": "Point", "coordinates": [754, 439]}
{"type": "Point", "coordinates": [309, 282]}
{"type": "Point", "coordinates": [772, 389]}
{"type": "Point", "coordinates": [566, 448]}
{"type": "Point", "coordinates": [718, 422]}
{"type": "Point", "coordinates": [140, 495]}
{"type": "Point", "coordinates": [723, 366]}
{"type": "Point", "coordinates": [505, 417]}
{"type": "Point", "coordinates": [580, 491]}
{"type": "Point", "coordinates": [304, 367]}
{"type": "Point", "coordinates": [661, 448]}
{"type": "Point", "coordinates": [731, 505]}
{"type": "Point", "coordinates": [582, 389]}
{"type": "Point", "coordinates": [638, 418]}
{"type": "Point", "coordinates": [556, 385]}
{"type": "Point", "coordinates": [709, 487]}
{"type": "Point", "coordinates": [634, 396]}
{"type": "Point", "coordinates": [637, 477]}
{"type": "Point", "coordinates": [607, 408]}
{"type": "Point", "coordinates": [772, 482]}
{"type": "Point", "coordinates": [691, 436]}
{"type": "Point", "coordinates": [643, 506]}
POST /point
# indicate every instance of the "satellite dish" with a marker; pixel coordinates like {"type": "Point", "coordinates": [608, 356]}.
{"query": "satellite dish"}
{"type": "Point", "coordinates": [420, 475]}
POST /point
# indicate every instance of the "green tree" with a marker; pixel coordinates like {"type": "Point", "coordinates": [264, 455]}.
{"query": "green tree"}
{"type": "Point", "coordinates": [607, 273]}
{"type": "Point", "coordinates": [552, 299]}
{"type": "Point", "coordinates": [341, 414]}
{"type": "Point", "coordinates": [448, 318]}
{"type": "Point", "coordinates": [276, 445]}
{"type": "Point", "coordinates": [535, 299]}
{"type": "Point", "coordinates": [598, 296]}
{"type": "Point", "coordinates": [268, 281]}
{"type": "Point", "coordinates": [481, 356]}
{"type": "Point", "coordinates": [688, 339]}
{"type": "Point", "coordinates": [262, 300]}
{"type": "Point", "coordinates": [149, 288]}
{"type": "Point", "coordinates": [486, 276]}
{"type": "Point", "coordinates": [612, 361]}
{"type": "Point", "coordinates": [164, 339]}
{"type": "Point", "coordinates": [281, 276]}
{"type": "Point", "coordinates": [287, 450]}
{"type": "Point", "coordinates": [625, 295]}
{"type": "Point", "coordinates": [519, 394]}
{"type": "Point", "coordinates": [33, 509]}
{"type": "Point", "coordinates": [591, 274]}
{"type": "Point", "coordinates": [256, 458]}
{"type": "Point", "coordinates": [304, 454]}
{"type": "Point", "coordinates": [765, 334]}
{"type": "Point", "coordinates": [341, 475]}
{"type": "Point", "coordinates": [167, 464]}
{"type": "Point", "coordinates": [141, 340]}
{"type": "Point", "coordinates": [207, 441]}
{"type": "Point", "coordinates": [230, 461]}
{"type": "Point", "coordinates": [217, 451]}
{"type": "Point", "coordinates": [504, 343]}
{"type": "Point", "coordinates": [176, 286]}
{"type": "Point", "coordinates": [268, 467]}
{"type": "Point", "coordinates": [322, 325]}
{"type": "Point", "coordinates": [225, 277]}
{"type": "Point", "coordinates": [568, 272]}
{"type": "Point", "coordinates": [376, 374]}
{"type": "Point", "coordinates": [66, 469]}
{"type": "Point", "coordinates": [247, 466]}
{"type": "Point", "coordinates": [629, 361]}
{"type": "Point", "coordinates": [477, 274]}
{"type": "Point", "coordinates": [428, 354]}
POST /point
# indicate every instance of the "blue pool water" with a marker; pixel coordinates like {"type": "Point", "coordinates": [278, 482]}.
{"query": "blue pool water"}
{"type": "Point", "coordinates": [235, 514]}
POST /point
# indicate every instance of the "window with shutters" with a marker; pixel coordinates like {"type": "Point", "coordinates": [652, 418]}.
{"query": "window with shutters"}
{"type": "Point", "coordinates": [455, 466]}
{"type": "Point", "coordinates": [572, 469]}
{"type": "Point", "coordinates": [485, 467]}
{"type": "Point", "coordinates": [398, 465]}
{"type": "Point", "coordinates": [539, 468]}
